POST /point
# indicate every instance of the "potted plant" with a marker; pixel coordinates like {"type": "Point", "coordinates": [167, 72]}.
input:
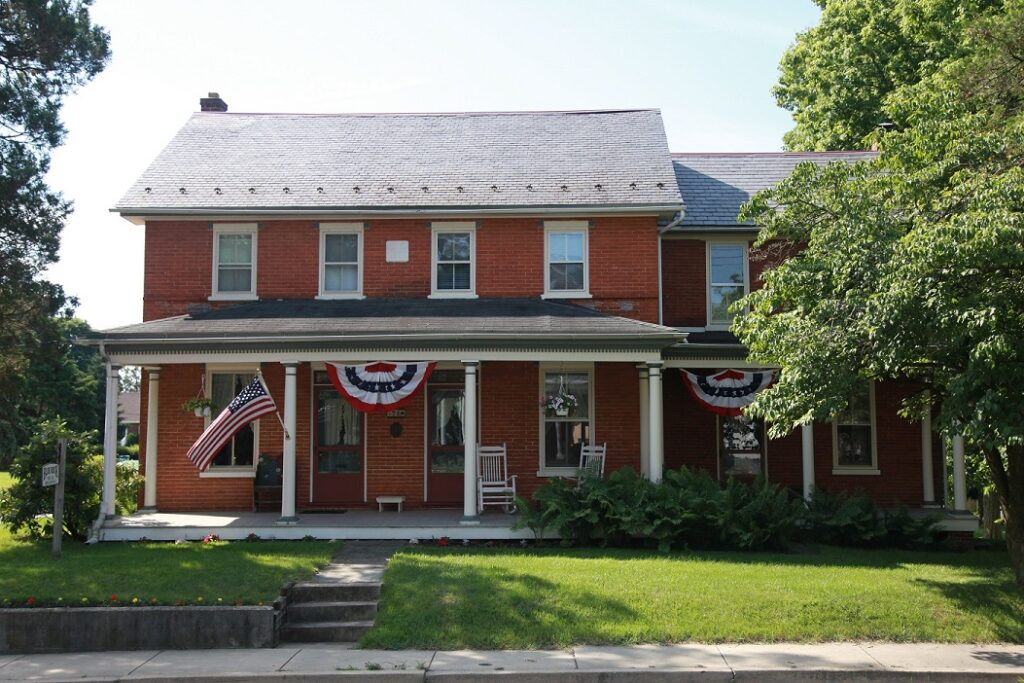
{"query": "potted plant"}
{"type": "Point", "coordinates": [200, 405]}
{"type": "Point", "coordinates": [560, 404]}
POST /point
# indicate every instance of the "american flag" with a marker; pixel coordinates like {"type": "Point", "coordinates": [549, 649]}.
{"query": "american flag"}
{"type": "Point", "coordinates": [252, 402]}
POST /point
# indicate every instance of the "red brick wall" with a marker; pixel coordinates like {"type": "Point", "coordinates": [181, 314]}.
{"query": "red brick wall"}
{"type": "Point", "coordinates": [684, 279]}
{"type": "Point", "coordinates": [510, 262]}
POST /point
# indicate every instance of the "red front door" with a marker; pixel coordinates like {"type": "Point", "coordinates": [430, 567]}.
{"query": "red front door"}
{"type": "Point", "coordinates": [338, 456]}
{"type": "Point", "coordinates": [445, 449]}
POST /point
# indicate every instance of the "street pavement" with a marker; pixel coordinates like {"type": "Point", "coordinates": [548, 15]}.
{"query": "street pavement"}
{"type": "Point", "coordinates": [684, 662]}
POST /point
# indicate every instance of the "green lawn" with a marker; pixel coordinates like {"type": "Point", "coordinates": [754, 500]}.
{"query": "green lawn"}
{"type": "Point", "coordinates": [480, 598]}
{"type": "Point", "coordinates": [235, 572]}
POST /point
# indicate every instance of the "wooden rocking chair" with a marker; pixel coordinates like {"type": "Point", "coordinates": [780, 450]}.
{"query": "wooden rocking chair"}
{"type": "Point", "coordinates": [494, 485]}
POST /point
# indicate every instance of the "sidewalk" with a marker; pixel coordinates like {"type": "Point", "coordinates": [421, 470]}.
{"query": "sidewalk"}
{"type": "Point", "coordinates": [705, 663]}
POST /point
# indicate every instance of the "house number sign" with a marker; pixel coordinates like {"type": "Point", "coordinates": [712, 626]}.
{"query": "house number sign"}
{"type": "Point", "coordinates": [51, 474]}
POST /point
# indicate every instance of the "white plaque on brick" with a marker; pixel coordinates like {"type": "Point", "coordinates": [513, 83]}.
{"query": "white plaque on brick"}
{"type": "Point", "coordinates": [396, 251]}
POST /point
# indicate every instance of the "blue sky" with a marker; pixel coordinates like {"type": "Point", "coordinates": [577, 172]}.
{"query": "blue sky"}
{"type": "Point", "coordinates": [709, 66]}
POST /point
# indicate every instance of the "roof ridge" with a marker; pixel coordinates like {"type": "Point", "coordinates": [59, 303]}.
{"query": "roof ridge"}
{"type": "Point", "coordinates": [837, 152]}
{"type": "Point", "coordinates": [430, 114]}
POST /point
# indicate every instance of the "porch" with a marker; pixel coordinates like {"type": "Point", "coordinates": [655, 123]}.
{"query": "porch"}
{"type": "Point", "coordinates": [350, 525]}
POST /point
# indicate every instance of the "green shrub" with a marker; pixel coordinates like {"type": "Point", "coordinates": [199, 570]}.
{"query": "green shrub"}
{"type": "Point", "coordinates": [758, 516]}
{"type": "Point", "coordinates": [131, 450]}
{"type": "Point", "coordinates": [852, 519]}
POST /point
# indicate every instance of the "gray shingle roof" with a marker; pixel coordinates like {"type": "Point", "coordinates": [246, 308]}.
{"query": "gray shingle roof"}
{"type": "Point", "coordinates": [393, 318]}
{"type": "Point", "coordinates": [223, 161]}
{"type": "Point", "coordinates": [714, 185]}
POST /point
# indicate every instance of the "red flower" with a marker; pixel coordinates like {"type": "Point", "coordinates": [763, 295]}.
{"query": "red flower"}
{"type": "Point", "coordinates": [443, 541]}
{"type": "Point", "coordinates": [31, 601]}
{"type": "Point", "coordinates": [113, 598]}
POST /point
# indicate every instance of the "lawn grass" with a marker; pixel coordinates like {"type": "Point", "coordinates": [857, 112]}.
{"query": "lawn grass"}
{"type": "Point", "coordinates": [555, 598]}
{"type": "Point", "coordinates": [238, 572]}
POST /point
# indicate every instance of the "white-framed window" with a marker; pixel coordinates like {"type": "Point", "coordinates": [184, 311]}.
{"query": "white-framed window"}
{"type": "Point", "coordinates": [234, 261]}
{"type": "Point", "coordinates": [566, 251]}
{"type": "Point", "coordinates": [453, 260]}
{"type": "Point", "coordinates": [341, 260]}
{"type": "Point", "coordinates": [239, 457]}
{"type": "Point", "coordinates": [728, 280]}
{"type": "Point", "coordinates": [563, 433]}
{"type": "Point", "coordinates": [854, 442]}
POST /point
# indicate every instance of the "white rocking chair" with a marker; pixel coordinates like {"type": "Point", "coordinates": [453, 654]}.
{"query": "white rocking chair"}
{"type": "Point", "coordinates": [592, 460]}
{"type": "Point", "coordinates": [494, 486]}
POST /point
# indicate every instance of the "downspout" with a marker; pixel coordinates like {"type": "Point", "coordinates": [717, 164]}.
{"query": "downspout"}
{"type": "Point", "coordinates": [661, 295]}
{"type": "Point", "coordinates": [96, 531]}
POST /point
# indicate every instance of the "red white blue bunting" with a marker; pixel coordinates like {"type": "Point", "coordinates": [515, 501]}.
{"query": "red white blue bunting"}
{"type": "Point", "coordinates": [378, 387]}
{"type": "Point", "coordinates": [728, 392]}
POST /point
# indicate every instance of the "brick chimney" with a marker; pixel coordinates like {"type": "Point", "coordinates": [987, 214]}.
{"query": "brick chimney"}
{"type": "Point", "coordinates": [212, 102]}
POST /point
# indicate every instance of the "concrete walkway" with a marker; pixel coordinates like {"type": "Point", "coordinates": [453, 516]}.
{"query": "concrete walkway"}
{"type": "Point", "coordinates": [358, 562]}
{"type": "Point", "coordinates": [688, 662]}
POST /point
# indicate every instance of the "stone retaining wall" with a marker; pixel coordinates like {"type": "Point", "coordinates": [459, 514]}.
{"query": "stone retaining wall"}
{"type": "Point", "coordinates": [82, 629]}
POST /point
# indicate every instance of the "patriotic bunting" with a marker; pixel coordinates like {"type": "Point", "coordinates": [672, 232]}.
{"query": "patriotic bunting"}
{"type": "Point", "coordinates": [252, 402]}
{"type": "Point", "coordinates": [378, 387]}
{"type": "Point", "coordinates": [728, 392]}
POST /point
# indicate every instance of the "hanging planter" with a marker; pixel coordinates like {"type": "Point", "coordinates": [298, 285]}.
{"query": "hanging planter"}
{"type": "Point", "coordinates": [560, 404]}
{"type": "Point", "coordinates": [200, 406]}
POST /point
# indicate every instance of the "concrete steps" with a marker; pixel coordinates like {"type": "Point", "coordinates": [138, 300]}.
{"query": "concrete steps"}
{"type": "Point", "coordinates": [330, 612]}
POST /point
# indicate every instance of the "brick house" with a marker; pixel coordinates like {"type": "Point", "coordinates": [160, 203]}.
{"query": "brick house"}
{"type": "Point", "coordinates": [526, 254]}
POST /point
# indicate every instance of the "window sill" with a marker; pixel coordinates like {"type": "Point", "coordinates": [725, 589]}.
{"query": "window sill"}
{"type": "Point", "coordinates": [563, 472]}
{"type": "Point", "coordinates": [453, 295]}
{"type": "Point", "coordinates": [228, 473]}
{"type": "Point", "coordinates": [567, 295]}
{"type": "Point", "coordinates": [233, 297]}
{"type": "Point", "coordinates": [864, 471]}
{"type": "Point", "coordinates": [334, 297]}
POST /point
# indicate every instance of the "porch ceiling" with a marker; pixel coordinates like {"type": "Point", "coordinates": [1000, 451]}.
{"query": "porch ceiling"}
{"type": "Point", "coordinates": [487, 328]}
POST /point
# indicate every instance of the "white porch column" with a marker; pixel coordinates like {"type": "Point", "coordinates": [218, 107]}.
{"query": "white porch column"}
{"type": "Point", "coordinates": [288, 466]}
{"type": "Point", "coordinates": [152, 433]}
{"type": "Point", "coordinates": [469, 438]}
{"type": "Point", "coordinates": [645, 423]}
{"type": "Point", "coordinates": [927, 473]}
{"type": "Point", "coordinates": [807, 448]}
{"type": "Point", "coordinates": [656, 437]}
{"type": "Point", "coordinates": [108, 506]}
{"type": "Point", "coordinates": [959, 475]}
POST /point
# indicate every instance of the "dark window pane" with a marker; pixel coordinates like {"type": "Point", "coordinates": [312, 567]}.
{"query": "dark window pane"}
{"type": "Point", "coordinates": [460, 276]}
{"type": "Point", "coordinates": [563, 442]}
{"type": "Point", "coordinates": [341, 248]}
{"type": "Point", "coordinates": [447, 463]}
{"type": "Point", "coordinates": [234, 279]}
{"type": "Point", "coordinates": [339, 462]}
{"type": "Point", "coordinates": [453, 246]}
{"type": "Point", "coordinates": [742, 446]}
{"type": "Point", "coordinates": [854, 445]}
{"type": "Point", "coordinates": [447, 417]}
{"type": "Point", "coordinates": [574, 276]}
{"type": "Point", "coordinates": [727, 264]}
{"type": "Point", "coordinates": [558, 277]}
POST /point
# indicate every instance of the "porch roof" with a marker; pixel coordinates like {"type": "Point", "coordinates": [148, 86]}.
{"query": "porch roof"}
{"type": "Point", "coordinates": [410, 324]}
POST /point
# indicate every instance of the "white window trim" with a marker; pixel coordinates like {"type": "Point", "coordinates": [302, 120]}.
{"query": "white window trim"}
{"type": "Point", "coordinates": [459, 227]}
{"type": "Point", "coordinates": [707, 280]}
{"type": "Point", "coordinates": [341, 229]}
{"type": "Point", "coordinates": [219, 229]}
{"type": "Point", "coordinates": [868, 470]}
{"type": "Point", "coordinates": [543, 369]}
{"type": "Point", "coordinates": [567, 226]}
{"type": "Point", "coordinates": [231, 471]}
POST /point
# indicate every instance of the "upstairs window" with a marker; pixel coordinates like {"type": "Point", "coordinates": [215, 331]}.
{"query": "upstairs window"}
{"type": "Point", "coordinates": [234, 262]}
{"type": "Point", "coordinates": [727, 281]}
{"type": "Point", "coordinates": [853, 434]}
{"type": "Point", "coordinates": [454, 267]}
{"type": "Point", "coordinates": [566, 259]}
{"type": "Point", "coordinates": [341, 251]}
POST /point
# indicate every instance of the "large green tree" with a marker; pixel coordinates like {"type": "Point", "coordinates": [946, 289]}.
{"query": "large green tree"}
{"type": "Point", "coordinates": [837, 75]}
{"type": "Point", "coordinates": [912, 265]}
{"type": "Point", "coordinates": [48, 48]}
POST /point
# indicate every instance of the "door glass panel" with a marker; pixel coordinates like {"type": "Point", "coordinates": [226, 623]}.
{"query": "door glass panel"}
{"type": "Point", "coordinates": [447, 406]}
{"type": "Point", "coordinates": [742, 446]}
{"type": "Point", "coordinates": [339, 462]}
{"type": "Point", "coordinates": [447, 462]}
{"type": "Point", "coordinates": [338, 423]}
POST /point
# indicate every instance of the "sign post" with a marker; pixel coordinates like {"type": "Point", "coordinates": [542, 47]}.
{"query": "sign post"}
{"type": "Point", "coordinates": [53, 475]}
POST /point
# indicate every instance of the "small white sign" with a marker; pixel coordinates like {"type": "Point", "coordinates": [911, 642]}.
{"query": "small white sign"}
{"type": "Point", "coordinates": [51, 474]}
{"type": "Point", "coordinates": [396, 251]}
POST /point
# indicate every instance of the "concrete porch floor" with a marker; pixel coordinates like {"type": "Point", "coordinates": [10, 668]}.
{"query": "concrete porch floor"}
{"type": "Point", "coordinates": [353, 525]}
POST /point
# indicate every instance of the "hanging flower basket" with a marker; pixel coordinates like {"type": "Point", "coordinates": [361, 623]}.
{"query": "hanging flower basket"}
{"type": "Point", "coordinates": [560, 404]}
{"type": "Point", "coordinates": [201, 407]}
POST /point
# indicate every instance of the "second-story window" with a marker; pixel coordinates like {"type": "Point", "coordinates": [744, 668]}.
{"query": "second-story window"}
{"type": "Point", "coordinates": [454, 248]}
{"type": "Point", "coordinates": [341, 272]}
{"type": "Point", "coordinates": [727, 281]}
{"type": "Point", "coordinates": [566, 259]}
{"type": "Point", "coordinates": [234, 261]}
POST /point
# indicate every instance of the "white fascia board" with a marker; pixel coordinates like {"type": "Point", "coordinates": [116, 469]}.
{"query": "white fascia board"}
{"type": "Point", "coordinates": [368, 355]}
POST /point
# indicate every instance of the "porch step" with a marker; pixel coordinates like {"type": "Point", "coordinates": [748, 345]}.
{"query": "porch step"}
{"type": "Point", "coordinates": [309, 612]}
{"type": "Point", "coordinates": [308, 591]}
{"type": "Point", "coordinates": [325, 631]}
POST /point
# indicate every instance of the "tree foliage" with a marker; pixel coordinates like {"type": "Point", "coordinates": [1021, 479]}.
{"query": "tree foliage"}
{"type": "Point", "coordinates": [47, 50]}
{"type": "Point", "coordinates": [913, 263]}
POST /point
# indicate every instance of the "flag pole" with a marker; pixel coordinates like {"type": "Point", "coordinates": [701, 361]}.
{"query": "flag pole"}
{"type": "Point", "coordinates": [259, 373]}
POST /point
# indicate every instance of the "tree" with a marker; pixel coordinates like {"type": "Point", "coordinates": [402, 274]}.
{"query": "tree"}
{"type": "Point", "coordinates": [912, 265]}
{"type": "Point", "coordinates": [837, 74]}
{"type": "Point", "coordinates": [47, 50]}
